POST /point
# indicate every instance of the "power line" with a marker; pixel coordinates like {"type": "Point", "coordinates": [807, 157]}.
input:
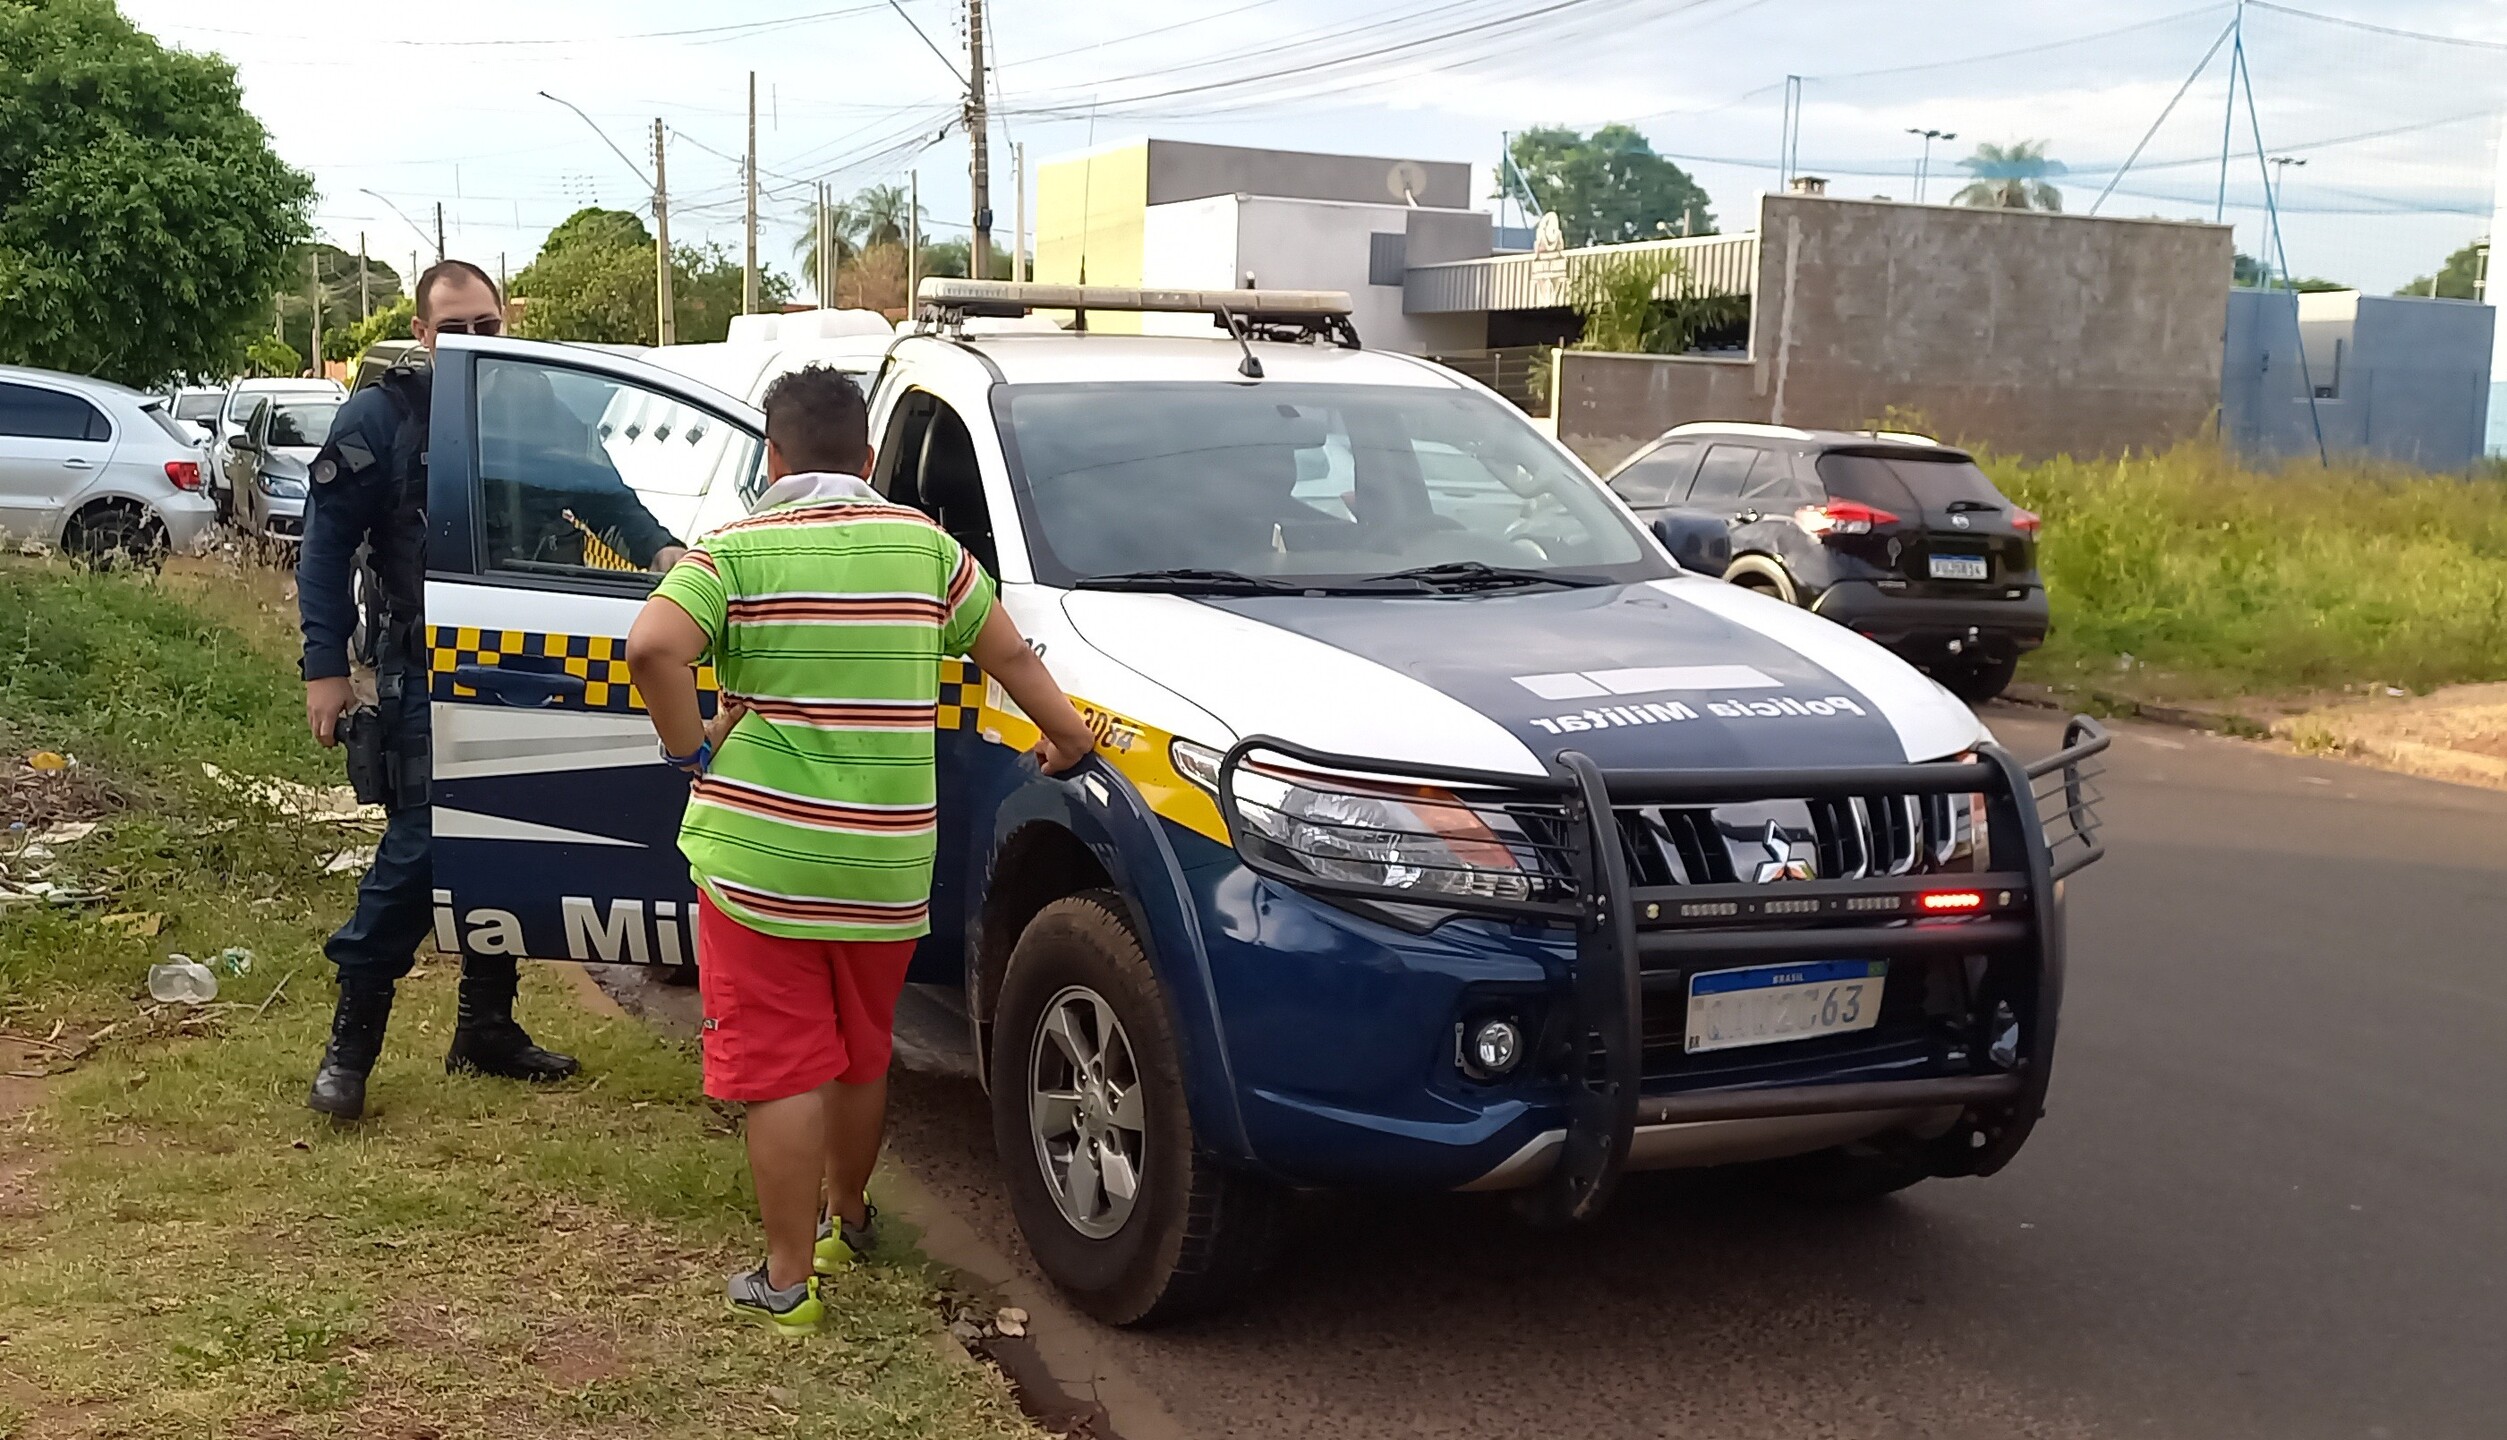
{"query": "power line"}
{"type": "Point", "coordinates": [2423, 35]}
{"type": "Point", "coordinates": [738, 29]}
{"type": "Point", "coordinates": [926, 39]}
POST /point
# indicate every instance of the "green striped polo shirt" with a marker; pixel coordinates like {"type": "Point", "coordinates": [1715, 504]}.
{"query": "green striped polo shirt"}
{"type": "Point", "coordinates": [829, 618]}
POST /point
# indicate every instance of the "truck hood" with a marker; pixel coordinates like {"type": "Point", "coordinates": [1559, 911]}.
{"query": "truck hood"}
{"type": "Point", "coordinates": [1681, 673]}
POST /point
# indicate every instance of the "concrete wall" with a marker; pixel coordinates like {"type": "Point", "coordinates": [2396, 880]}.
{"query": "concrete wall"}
{"type": "Point", "coordinates": [1091, 211]}
{"type": "Point", "coordinates": [2409, 377]}
{"type": "Point", "coordinates": [1606, 406]}
{"type": "Point", "coordinates": [1180, 170]}
{"type": "Point", "coordinates": [2033, 333]}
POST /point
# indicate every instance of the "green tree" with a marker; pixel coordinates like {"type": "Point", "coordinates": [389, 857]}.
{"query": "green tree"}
{"type": "Point", "coordinates": [269, 355]}
{"type": "Point", "coordinates": [593, 281]}
{"type": "Point", "coordinates": [340, 298]}
{"type": "Point", "coordinates": [1646, 302]}
{"type": "Point", "coordinates": [144, 219]}
{"type": "Point", "coordinates": [2011, 177]}
{"type": "Point", "coordinates": [875, 217]}
{"type": "Point", "coordinates": [390, 323]}
{"type": "Point", "coordinates": [1609, 187]}
{"type": "Point", "coordinates": [2457, 279]}
{"type": "Point", "coordinates": [955, 257]}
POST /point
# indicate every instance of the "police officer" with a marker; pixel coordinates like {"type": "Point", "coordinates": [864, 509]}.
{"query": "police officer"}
{"type": "Point", "coordinates": [369, 492]}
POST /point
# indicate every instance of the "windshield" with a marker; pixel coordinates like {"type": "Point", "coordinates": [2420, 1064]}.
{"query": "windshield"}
{"type": "Point", "coordinates": [1316, 484]}
{"type": "Point", "coordinates": [198, 407]}
{"type": "Point", "coordinates": [302, 424]}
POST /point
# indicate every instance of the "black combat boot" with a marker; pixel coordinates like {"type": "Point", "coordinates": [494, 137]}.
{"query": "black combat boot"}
{"type": "Point", "coordinates": [487, 1040]}
{"type": "Point", "coordinates": [339, 1087]}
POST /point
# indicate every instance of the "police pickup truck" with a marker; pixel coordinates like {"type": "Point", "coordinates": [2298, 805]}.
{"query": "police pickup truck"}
{"type": "Point", "coordinates": [1444, 832]}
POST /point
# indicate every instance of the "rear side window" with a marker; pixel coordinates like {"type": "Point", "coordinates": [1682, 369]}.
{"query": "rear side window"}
{"type": "Point", "coordinates": [181, 433]}
{"type": "Point", "coordinates": [1726, 471]}
{"type": "Point", "coordinates": [1661, 478]}
{"type": "Point", "coordinates": [35, 414]}
{"type": "Point", "coordinates": [1908, 481]}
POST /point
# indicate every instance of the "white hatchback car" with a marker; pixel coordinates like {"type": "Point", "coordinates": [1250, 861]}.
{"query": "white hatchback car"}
{"type": "Point", "coordinates": [96, 468]}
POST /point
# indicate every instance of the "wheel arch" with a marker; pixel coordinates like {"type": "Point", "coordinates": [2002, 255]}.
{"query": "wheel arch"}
{"type": "Point", "coordinates": [1056, 837]}
{"type": "Point", "coordinates": [1762, 566]}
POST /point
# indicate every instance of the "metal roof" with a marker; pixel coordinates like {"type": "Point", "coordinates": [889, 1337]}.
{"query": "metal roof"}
{"type": "Point", "coordinates": [1717, 265]}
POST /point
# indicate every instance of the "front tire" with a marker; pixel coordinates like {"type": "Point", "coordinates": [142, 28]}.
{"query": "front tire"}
{"type": "Point", "coordinates": [113, 535]}
{"type": "Point", "coordinates": [1123, 1210]}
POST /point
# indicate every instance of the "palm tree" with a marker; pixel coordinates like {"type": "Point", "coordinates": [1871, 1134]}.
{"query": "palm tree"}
{"type": "Point", "coordinates": [2011, 177]}
{"type": "Point", "coordinates": [860, 222]}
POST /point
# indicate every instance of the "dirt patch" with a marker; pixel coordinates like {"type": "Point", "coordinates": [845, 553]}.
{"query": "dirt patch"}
{"type": "Point", "coordinates": [2457, 734]}
{"type": "Point", "coordinates": [39, 798]}
{"type": "Point", "coordinates": [576, 1358]}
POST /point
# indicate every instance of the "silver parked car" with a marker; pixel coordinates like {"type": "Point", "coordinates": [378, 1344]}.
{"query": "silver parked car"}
{"type": "Point", "coordinates": [270, 464]}
{"type": "Point", "coordinates": [97, 469]}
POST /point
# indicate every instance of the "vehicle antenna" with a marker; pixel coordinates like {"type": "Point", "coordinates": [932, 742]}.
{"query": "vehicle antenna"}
{"type": "Point", "coordinates": [1251, 369]}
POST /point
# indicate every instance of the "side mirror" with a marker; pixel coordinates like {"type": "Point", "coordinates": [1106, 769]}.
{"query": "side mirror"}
{"type": "Point", "coordinates": [244, 444]}
{"type": "Point", "coordinates": [1700, 542]}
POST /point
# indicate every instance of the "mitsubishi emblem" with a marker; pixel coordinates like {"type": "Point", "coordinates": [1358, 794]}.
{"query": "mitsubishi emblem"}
{"type": "Point", "coordinates": [1782, 863]}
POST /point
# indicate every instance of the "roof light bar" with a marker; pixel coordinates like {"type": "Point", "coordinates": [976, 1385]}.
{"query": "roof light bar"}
{"type": "Point", "coordinates": [1008, 298]}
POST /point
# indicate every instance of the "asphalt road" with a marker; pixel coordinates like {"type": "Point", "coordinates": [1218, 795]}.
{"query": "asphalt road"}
{"type": "Point", "coordinates": [2270, 1199]}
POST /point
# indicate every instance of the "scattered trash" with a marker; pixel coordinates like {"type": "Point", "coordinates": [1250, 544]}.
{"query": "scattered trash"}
{"type": "Point", "coordinates": [68, 832]}
{"type": "Point", "coordinates": [1012, 1321]}
{"type": "Point", "coordinates": [234, 960]}
{"type": "Point", "coordinates": [49, 762]}
{"type": "Point", "coordinates": [138, 924]}
{"type": "Point", "coordinates": [181, 980]}
{"type": "Point", "coordinates": [2125, 661]}
{"type": "Point", "coordinates": [966, 1331]}
{"type": "Point", "coordinates": [327, 804]}
{"type": "Point", "coordinates": [2396, 691]}
{"type": "Point", "coordinates": [355, 858]}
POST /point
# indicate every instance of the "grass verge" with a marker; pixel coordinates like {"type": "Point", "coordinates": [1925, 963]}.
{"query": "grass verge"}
{"type": "Point", "coordinates": [2188, 575]}
{"type": "Point", "coordinates": [186, 1251]}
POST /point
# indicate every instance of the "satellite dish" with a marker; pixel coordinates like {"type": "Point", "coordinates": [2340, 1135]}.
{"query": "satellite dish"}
{"type": "Point", "coordinates": [1407, 180]}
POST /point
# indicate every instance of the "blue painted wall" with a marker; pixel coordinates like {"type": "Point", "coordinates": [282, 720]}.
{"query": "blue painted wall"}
{"type": "Point", "coordinates": [2412, 382]}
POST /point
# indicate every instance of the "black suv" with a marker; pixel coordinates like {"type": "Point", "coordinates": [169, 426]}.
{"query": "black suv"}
{"type": "Point", "coordinates": [1897, 537]}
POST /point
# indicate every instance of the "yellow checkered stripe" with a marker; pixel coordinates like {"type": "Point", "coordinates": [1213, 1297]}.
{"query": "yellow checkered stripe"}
{"type": "Point", "coordinates": [961, 695]}
{"type": "Point", "coordinates": [600, 661]}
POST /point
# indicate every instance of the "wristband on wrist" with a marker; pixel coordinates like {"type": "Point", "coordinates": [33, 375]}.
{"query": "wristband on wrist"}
{"type": "Point", "coordinates": [694, 764]}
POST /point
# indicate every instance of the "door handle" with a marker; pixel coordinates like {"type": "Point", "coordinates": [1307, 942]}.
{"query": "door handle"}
{"type": "Point", "coordinates": [1751, 517]}
{"type": "Point", "coordinates": [529, 689]}
{"type": "Point", "coordinates": [74, 463]}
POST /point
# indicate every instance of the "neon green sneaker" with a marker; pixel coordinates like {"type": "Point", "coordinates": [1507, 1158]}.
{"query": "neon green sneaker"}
{"type": "Point", "coordinates": [791, 1312]}
{"type": "Point", "coordinates": [839, 1245]}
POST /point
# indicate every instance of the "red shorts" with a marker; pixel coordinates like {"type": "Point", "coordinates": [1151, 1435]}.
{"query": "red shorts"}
{"type": "Point", "coordinates": [784, 1016]}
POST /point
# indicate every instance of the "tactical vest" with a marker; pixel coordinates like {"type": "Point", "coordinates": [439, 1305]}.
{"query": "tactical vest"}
{"type": "Point", "coordinates": [396, 556]}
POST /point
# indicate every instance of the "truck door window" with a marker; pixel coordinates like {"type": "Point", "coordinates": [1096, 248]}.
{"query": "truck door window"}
{"type": "Point", "coordinates": [585, 476]}
{"type": "Point", "coordinates": [1661, 478]}
{"type": "Point", "coordinates": [896, 469]}
{"type": "Point", "coordinates": [951, 484]}
{"type": "Point", "coordinates": [1775, 481]}
{"type": "Point", "coordinates": [1726, 471]}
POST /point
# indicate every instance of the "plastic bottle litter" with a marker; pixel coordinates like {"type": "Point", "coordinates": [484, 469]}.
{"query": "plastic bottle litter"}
{"type": "Point", "coordinates": [181, 980]}
{"type": "Point", "coordinates": [234, 960]}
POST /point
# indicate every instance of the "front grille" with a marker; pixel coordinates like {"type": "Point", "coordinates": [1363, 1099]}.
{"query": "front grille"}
{"type": "Point", "coordinates": [1851, 839]}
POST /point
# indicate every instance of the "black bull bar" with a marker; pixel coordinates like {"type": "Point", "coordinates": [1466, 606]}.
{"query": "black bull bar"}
{"type": "Point", "coordinates": [1565, 865]}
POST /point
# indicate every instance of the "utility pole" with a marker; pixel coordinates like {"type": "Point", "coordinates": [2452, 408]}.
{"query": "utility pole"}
{"type": "Point", "coordinates": [913, 239]}
{"type": "Point", "coordinates": [748, 273]}
{"type": "Point", "coordinates": [2228, 119]}
{"type": "Point", "coordinates": [315, 257]}
{"type": "Point", "coordinates": [1018, 212]}
{"type": "Point", "coordinates": [979, 253]}
{"type": "Point", "coordinates": [439, 232]}
{"type": "Point", "coordinates": [365, 292]}
{"type": "Point", "coordinates": [667, 320]}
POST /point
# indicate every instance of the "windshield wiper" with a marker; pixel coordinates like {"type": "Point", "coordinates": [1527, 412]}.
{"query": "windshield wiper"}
{"type": "Point", "coordinates": [1477, 575]}
{"type": "Point", "coordinates": [1188, 579]}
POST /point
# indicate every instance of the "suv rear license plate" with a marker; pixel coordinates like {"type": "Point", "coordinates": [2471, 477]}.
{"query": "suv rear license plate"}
{"type": "Point", "coordinates": [1770, 1004]}
{"type": "Point", "coordinates": [1959, 567]}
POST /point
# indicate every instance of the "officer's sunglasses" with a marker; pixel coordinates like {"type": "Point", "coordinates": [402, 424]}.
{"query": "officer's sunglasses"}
{"type": "Point", "coordinates": [483, 325]}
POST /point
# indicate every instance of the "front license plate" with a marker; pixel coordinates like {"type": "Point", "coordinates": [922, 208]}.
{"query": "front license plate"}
{"type": "Point", "coordinates": [1770, 1004]}
{"type": "Point", "coordinates": [1959, 567]}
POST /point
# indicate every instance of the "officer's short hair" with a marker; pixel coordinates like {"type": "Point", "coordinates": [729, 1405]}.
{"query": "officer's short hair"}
{"type": "Point", "coordinates": [443, 270]}
{"type": "Point", "coordinates": [817, 418]}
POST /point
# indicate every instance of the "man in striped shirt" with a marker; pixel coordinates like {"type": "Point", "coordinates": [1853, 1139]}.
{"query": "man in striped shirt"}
{"type": "Point", "coordinates": [810, 826]}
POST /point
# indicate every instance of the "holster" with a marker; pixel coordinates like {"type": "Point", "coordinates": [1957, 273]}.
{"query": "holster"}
{"type": "Point", "coordinates": [369, 760]}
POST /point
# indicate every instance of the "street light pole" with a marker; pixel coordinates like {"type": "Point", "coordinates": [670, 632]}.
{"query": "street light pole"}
{"type": "Point", "coordinates": [1923, 167]}
{"type": "Point", "coordinates": [2280, 183]}
{"type": "Point", "coordinates": [404, 217]}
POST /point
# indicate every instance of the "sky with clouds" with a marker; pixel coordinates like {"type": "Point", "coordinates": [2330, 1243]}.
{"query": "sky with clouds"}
{"type": "Point", "coordinates": [407, 106]}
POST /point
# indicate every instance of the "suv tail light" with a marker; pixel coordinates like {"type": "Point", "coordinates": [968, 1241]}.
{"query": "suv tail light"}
{"type": "Point", "coordinates": [1841, 517]}
{"type": "Point", "coordinates": [2026, 522]}
{"type": "Point", "coordinates": [184, 473]}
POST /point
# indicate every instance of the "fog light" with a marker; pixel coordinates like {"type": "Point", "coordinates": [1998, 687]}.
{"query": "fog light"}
{"type": "Point", "coordinates": [1495, 1047]}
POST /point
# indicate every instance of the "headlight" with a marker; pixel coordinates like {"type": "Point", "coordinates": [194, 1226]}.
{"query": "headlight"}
{"type": "Point", "coordinates": [1416, 839]}
{"type": "Point", "coordinates": [280, 487]}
